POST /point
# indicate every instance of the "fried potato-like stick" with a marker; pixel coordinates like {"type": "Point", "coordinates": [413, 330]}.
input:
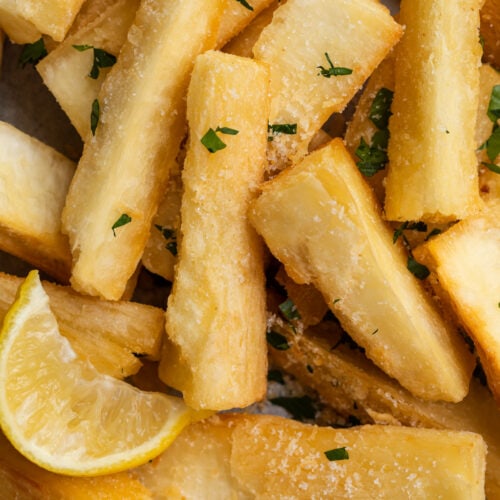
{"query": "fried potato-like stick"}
{"type": "Point", "coordinates": [216, 312]}
{"type": "Point", "coordinates": [23, 480]}
{"type": "Point", "coordinates": [16, 27]}
{"type": "Point", "coordinates": [113, 336]}
{"type": "Point", "coordinates": [124, 168]}
{"type": "Point", "coordinates": [34, 180]}
{"type": "Point", "coordinates": [347, 381]}
{"type": "Point", "coordinates": [321, 220]}
{"type": "Point", "coordinates": [264, 456]}
{"type": "Point", "coordinates": [311, 46]}
{"type": "Point", "coordinates": [490, 31]}
{"type": "Point", "coordinates": [466, 260]}
{"type": "Point", "coordinates": [50, 17]}
{"type": "Point", "coordinates": [432, 172]}
{"type": "Point", "coordinates": [65, 71]}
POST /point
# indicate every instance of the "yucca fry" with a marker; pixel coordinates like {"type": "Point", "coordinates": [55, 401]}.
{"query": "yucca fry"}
{"type": "Point", "coordinates": [65, 71]}
{"type": "Point", "coordinates": [490, 31]}
{"type": "Point", "coordinates": [50, 17]}
{"type": "Point", "coordinates": [90, 11]}
{"type": "Point", "coordinates": [264, 456]}
{"type": "Point", "coordinates": [355, 35]}
{"type": "Point", "coordinates": [18, 29]}
{"type": "Point", "coordinates": [160, 253]}
{"type": "Point", "coordinates": [466, 261]}
{"type": "Point", "coordinates": [355, 387]}
{"type": "Point", "coordinates": [23, 480]}
{"type": "Point", "coordinates": [113, 336]}
{"type": "Point", "coordinates": [242, 44]}
{"type": "Point", "coordinates": [432, 173]}
{"type": "Point", "coordinates": [307, 299]}
{"type": "Point", "coordinates": [237, 16]}
{"type": "Point", "coordinates": [320, 219]}
{"type": "Point", "coordinates": [489, 181]}
{"type": "Point", "coordinates": [124, 168]}
{"type": "Point", "coordinates": [216, 311]}
{"type": "Point", "coordinates": [34, 182]}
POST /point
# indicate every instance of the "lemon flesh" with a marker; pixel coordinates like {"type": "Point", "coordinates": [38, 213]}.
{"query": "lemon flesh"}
{"type": "Point", "coordinates": [60, 413]}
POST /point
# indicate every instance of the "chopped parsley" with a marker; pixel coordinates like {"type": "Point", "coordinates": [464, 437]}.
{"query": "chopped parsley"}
{"type": "Point", "coordinates": [94, 116]}
{"type": "Point", "coordinates": [492, 144]}
{"type": "Point", "coordinates": [102, 59]}
{"type": "Point", "coordinates": [332, 70]}
{"type": "Point", "coordinates": [121, 221]}
{"type": "Point", "coordinates": [419, 270]}
{"type": "Point", "coordinates": [213, 142]}
{"type": "Point", "coordinates": [337, 454]}
{"type": "Point", "coordinates": [299, 407]}
{"type": "Point", "coordinates": [171, 236]}
{"type": "Point", "coordinates": [373, 157]}
{"type": "Point", "coordinates": [289, 310]}
{"type": "Point", "coordinates": [415, 226]}
{"type": "Point", "coordinates": [432, 233]}
{"type": "Point", "coordinates": [245, 4]}
{"type": "Point", "coordinates": [277, 340]}
{"type": "Point", "coordinates": [32, 53]}
{"type": "Point", "coordinates": [282, 128]}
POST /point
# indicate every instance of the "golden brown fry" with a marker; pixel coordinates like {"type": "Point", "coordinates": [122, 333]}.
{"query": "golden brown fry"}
{"type": "Point", "coordinates": [216, 312]}
{"type": "Point", "coordinates": [50, 17]}
{"type": "Point", "coordinates": [466, 260]}
{"type": "Point", "coordinates": [298, 44]}
{"type": "Point", "coordinates": [23, 480]}
{"type": "Point", "coordinates": [34, 180]}
{"type": "Point", "coordinates": [17, 28]}
{"type": "Point", "coordinates": [113, 336]}
{"type": "Point", "coordinates": [264, 456]}
{"type": "Point", "coordinates": [490, 31]}
{"type": "Point", "coordinates": [320, 219]}
{"type": "Point", "coordinates": [124, 168]}
{"type": "Point", "coordinates": [346, 380]}
{"type": "Point", "coordinates": [66, 70]}
{"type": "Point", "coordinates": [432, 172]}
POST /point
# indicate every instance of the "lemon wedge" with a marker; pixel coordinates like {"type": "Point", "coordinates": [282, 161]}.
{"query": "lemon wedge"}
{"type": "Point", "coordinates": [63, 415]}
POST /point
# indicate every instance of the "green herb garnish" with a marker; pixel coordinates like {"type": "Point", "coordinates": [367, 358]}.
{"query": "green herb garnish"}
{"type": "Point", "coordinates": [121, 221]}
{"type": "Point", "coordinates": [282, 128]}
{"type": "Point", "coordinates": [337, 454]}
{"type": "Point", "coordinates": [413, 226]}
{"type": "Point", "coordinates": [289, 310]}
{"type": "Point", "coordinates": [434, 232]}
{"type": "Point", "coordinates": [332, 70]}
{"type": "Point", "coordinates": [300, 407]}
{"type": "Point", "coordinates": [102, 59]}
{"type": "Point", "coordinates": [277, 340]}
{"type": "Point", "coordinates": [419, 270]}
{"type": "Point", "coordinates": [245, 4]}
{"type": "Point", "coordinates": [380, 110]}
{"type": "Point", "coordinates": [171, 236]}
{"type": "Point", "coordinates": [213, 142]}
{"type": "Point", "coordinates": [32, 53]}
{"type": "Point", "coordinates": [94, 116]}
{"type": "Point", "coordinates": [494, 104]}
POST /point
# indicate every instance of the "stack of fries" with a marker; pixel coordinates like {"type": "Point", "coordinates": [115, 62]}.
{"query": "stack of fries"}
{"type": "Point", "coordinates": [361, 266]}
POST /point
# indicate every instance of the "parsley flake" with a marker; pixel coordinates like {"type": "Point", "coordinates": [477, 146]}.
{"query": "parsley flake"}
{"type": "Point", "coordinates": [121, 221]}
{"type": "Point", "coordinates": [337, 454]}
{"type": "Point", "coordinates": [289, 310]}
{"type": "Point", "coordinates": [373, 158]}
{"type": "Point", "coordinates": [432, 233]}
{"type": "Point", "coordinates": [171, 236]}
{"type": "Point", "coordinates": [278, 341]}
{"type": "Point", "coordinates": [94, 116]}
{"type": "Point", "coordinates": [332, 70]}
{"type": "Point", "coordinates": [419, 270]}
{"type": "Point", "coordinates": [213, 142]}
{"type": "Point", "coordinates": [245, 4]}
{"type": "Point", "coordinates": [32, 53]}
{"type": "Point", "coordinates": [380, 110]}
{"type": "Point", "coordinates": [282, 128]}
{"type": "Point", "coordinates": [414, 226]}
{"type": "Point", "coordinates": [102, 59]}
{"type": "Point", "coordinates": [300, 407]}
{"type": "Point", "coordinates": [494, 104]}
